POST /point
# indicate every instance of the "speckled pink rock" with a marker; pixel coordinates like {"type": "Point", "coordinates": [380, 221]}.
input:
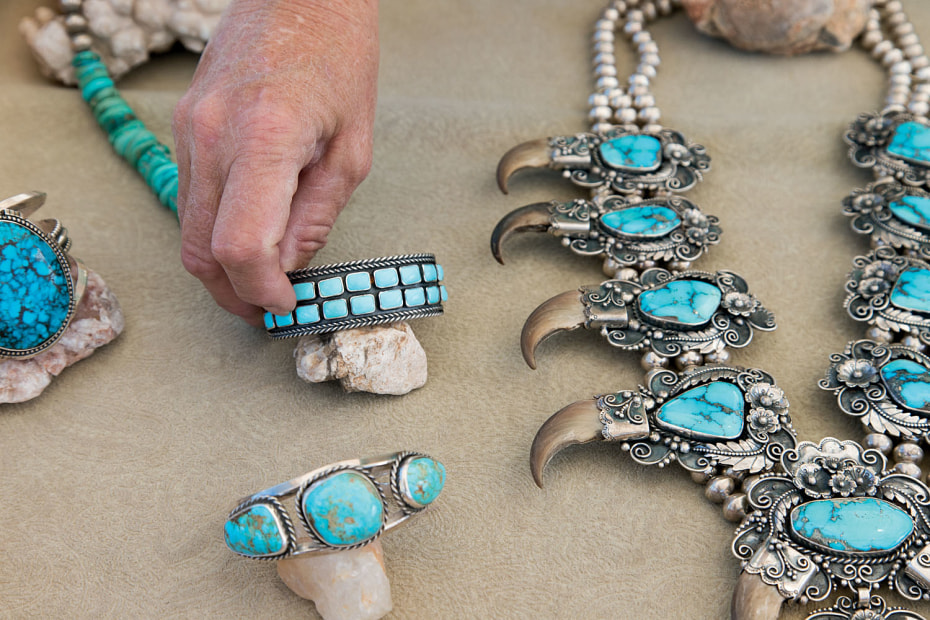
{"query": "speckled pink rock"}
{"type": "Point", "coordinates": [385, 359]}
{"type": "Point", "coordinates": [97, 321]}
{"type": "Point", "coordinates": [346, 585]}
{"type": "Point", "coordinates": [781, 26]}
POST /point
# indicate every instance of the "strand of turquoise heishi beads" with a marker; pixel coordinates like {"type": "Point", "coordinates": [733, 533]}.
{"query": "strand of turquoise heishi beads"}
{"type": "Point", "coordinates": [126, 132]}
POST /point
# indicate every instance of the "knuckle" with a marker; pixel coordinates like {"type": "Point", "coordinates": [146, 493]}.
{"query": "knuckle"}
{"type": "Point", "coordinates": [199, 264]}
{"type": "Point", "coordinates": [237, 251]}
{"type": "Point", "coordinates": [207, 121]}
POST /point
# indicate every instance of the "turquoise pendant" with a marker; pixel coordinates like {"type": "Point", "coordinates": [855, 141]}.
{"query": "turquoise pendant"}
{"type": "Point", "coordinates": [911, 141]}
{"type": "Point", "coordinates": [36, 299]}
{"type": "Point", "coordinates": [912, 290]}
{"type": "Point", "coordinates": [686, 302]}
{"type": "Point", "coordinates": [646, 221]}
{"type": "Point", "coordinates": [908, 383]}
{"type": "Point", "coordinates": [632, 152]}
{"type": "Point", "coordinates": [853, 525]}
{"type": "Point", "coordinates": [712, 411]}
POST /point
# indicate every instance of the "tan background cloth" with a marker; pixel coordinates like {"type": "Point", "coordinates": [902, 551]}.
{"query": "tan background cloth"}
{"type": "Point", "coordinates": [116, 482]}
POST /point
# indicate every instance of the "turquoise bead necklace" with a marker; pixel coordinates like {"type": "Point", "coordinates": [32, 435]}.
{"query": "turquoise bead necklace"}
{"type": "Point", "coordinates": [128, 135]}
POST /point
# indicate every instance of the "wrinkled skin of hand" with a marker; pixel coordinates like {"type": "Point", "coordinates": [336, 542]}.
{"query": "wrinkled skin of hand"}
{"type": "Point", "coordinates": [272, 138]}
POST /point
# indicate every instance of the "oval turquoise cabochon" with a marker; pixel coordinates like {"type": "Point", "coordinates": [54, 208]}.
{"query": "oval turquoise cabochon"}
{"type": "Point", "coordinates": [255, 532]}
{"type": "Point", "coordinates": [645, 221]}
{"type": "Point", "coordinates": [912, 290]}
{"type": "Point", "coordinates": [424, 479]}
{"type": "Point", "coordinates": [344, 508]}
{"type": "Point", "coordinates": [35, 300]}
{"type": "Point", "coordinates": [852, 525]}
{"type": "Point", "coordinates": [915, 210]}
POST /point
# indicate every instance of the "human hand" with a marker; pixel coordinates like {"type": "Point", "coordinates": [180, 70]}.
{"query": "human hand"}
{"type": "Point", "coordinates": [272, 138]}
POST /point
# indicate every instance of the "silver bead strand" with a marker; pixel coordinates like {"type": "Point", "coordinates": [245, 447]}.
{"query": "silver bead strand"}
{"type": "Point", "coordinates": [913, 60]}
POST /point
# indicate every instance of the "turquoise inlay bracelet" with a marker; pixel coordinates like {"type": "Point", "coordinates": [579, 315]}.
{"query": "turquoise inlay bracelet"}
{"type": "Point", "coordinates": [341, 506]}
{"type": "Point", "coordinates": [361, 293]}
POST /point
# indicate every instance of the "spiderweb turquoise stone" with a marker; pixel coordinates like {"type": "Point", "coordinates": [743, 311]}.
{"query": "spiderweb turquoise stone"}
{"type": "Point", "coordinates": [254, 532]}
{"type": "Point", "coordinates": [648, 221]}
{"type": "Point", "coordinates": [908, 383]}
{"type": "Point", "coordinates": [856, 524]}
{"type": "Point", "coordinates": [632, 152]}
{"type": "Point", "coordinates": [344, 508]}
{"type": "Point", "coordinates": [689, 302]}
{"type": "Point", "coordinates": [34, 298]}
{"type": "Point", "coordinates": [911, 141]}
{"type": "Point", "coordinates": [915, 210]}
{"type": "Point", "coordinates": [712, 411]}
{"type": "Point", "coordinates": [912, 290]}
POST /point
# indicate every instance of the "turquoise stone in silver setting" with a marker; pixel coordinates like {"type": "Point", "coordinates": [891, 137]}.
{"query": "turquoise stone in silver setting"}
{"type": "Point", "coordinates": [35, 289]}
{"type": "Point", "coordinates": [908, 383]}
{"type": "Point", "coordinates": [911, 141]}
{"type": "Point", "coordinates": [646, 221]}
{"type": "Point", "coordinates": [256, 532]}
{"type": "Point", "coordinates": [712, 411]}
{"type": "Point", "coordinates": [687, 302]}
{"type": "Point", "coordinates": [852, 525]}
{"type": "Point", "coordinates": [632, 152]}
{"type": "Point", "coordinates": [421, 481]}
{"type": "Point", "coordinates": [344, 508]}
{"type": "Point", "coordinates": [912, 290]}
{"type": "Point", "coordinates": [913, 210]}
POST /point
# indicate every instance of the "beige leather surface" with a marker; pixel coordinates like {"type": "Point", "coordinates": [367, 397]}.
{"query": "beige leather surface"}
{"type": "Point", "coordinates": [116, 482]}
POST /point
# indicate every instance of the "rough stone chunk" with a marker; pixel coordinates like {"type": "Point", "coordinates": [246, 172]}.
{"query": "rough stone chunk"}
{"type": "Point", "coordinates": [97, 321]}
{"type": "Point", "coordinates": [346, 585]}
{"type": "Point", "coordinates": [781, 26]}
{"type": "Point", "coordinates": [385, 359]}
{"type": "Point", "coordinates": [124, 33]}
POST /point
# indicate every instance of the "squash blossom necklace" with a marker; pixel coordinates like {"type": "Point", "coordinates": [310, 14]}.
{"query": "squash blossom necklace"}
{"type": "Point", "coordinates": [830, 521]}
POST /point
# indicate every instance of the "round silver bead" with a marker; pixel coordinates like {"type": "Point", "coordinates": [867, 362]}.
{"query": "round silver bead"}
{"type": "Point", "coordinates": [604, 58]}
{"type": "Point", "coordinates": [900, 80]}
{"type": "Point", "coordinates": [719, 489]}
{"type": "Point", "coordinates": [923, 74]}
{"type": "Point", "coordinates": [892, 56]}
{"type": "Point", "coordinates": [679, 265]}
{"type": "Point", "coordinates": [648, 47]}
{"type": "Point", "coordinates": [919, 108]}
{"type": "Point", "coordinates": [638, 79]}
{"type": "Point", "coordinates": [648, 70]}
{"type": "Point", "coordinates": [644, 101]}
{"type": "Point", "coordinates": [649, 115]}
{"type": "Point", "coordinates": [908, 452]}
{"type": "Point", "coordinates": [883, 47]}
{"type": "Point", "coordinates": [627, 273]}
{"type": "Point", "coordinates": [600, 113]}
{"type": "Point", "coordinates": [908, 469]}
{"type": "Point", "coordinates": [70, 6]}
{"type": "Point", "coordinates": [632, 27]}
{"type": "Point", "coordinates": [913, 50]}
{"type": "Point", "coordinates": [700, 477]}
{"type": "Point", "coordinates": [718, 357]}
{"type": "Point", "coordinates": [649, 12]}
{"type": "Point", "coordinates": [81, 42]}
{"type": "Point", "coordinates": [626, 115]}
{"type": "Point", "coordinates": [604, 35]}
{"type": "Point", "coordinates": [611, 14]}
{"type": "Point", "coordinates": [919, 62]}
{"type": "Point", "coordinates": [621, 101]}
{"type": "Point", "coordinates": [689, 359]}
{"type": "Point", "coordinates": [651, 360]}
{"type": "Point", "coordinates": [903, 31]}
{"type": "Point", "coordinates": [600, 128]}
{"type": "Point", "coordinates": [878, 441]}
{"type": "Point", "coordinates": [598, 99]}
{"type": "Point", "coordinates": [604, 47]}
{"type": "Point", "coordinates": [638, 89]}
{"type": "Point", "coordinates": [642, 37]}
{"type": "Point", "coordinates": [604, 24]}
{"type": "Point", "coordinates": [663, 6]}
{"type": "Point", "coordinates": [605, 70]}
{"type": "Point", "coordinates": [893, 6]}
{"type": "Point", "coordinates": [75, 23]}
{"type": "Point", "coordinates": [871, 38]}
{"type": "Point", "coordinates": [901, 68]}
{"type": "Point", "coordinates": [651, 59]}
{"type": "Point", "coordinates": [652, 128]}
{"type": "Point", "coordinates": [606, 83]}
{"type": "Point", "coordinates": [734, 507]}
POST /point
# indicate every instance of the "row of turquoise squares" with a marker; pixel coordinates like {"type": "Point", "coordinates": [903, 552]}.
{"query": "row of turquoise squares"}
{"type": "Point", "coordinates": [363, 281]}
{"type": "Point", "coordinates": [359, 305]}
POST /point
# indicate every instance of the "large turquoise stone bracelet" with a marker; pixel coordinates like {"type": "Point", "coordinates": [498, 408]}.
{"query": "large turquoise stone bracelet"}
{"type": "Point", "coordinates": [40, 285]}
{"type": "Point", "coordinates": [341, 506]}
{"type": "Point", "coordinates": [361, 293]}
